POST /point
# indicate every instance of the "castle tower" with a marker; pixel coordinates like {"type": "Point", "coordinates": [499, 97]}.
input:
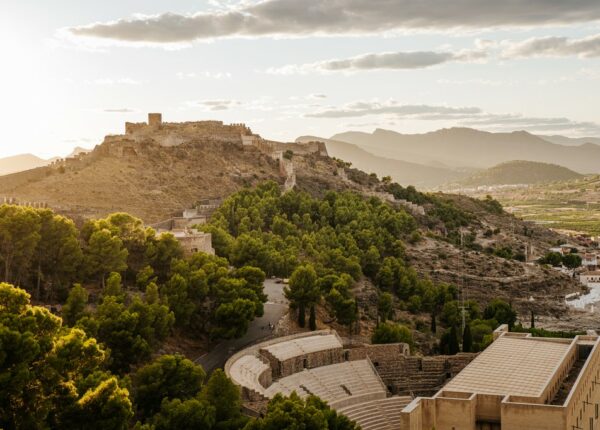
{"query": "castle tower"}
{"type": "Point", "coordinates": [154, 119]}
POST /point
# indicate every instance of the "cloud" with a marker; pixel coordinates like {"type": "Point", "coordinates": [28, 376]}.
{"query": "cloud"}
{"type": "Point", "coordinates": [385, 60]}
{"type": "Point", "coordinates": [318, 17]}
{"type": "Point", "coordinates": [359, 109]}
{"type": "Point", "coordinates": [458, 116]}
{"type": "Point", "coordinates": [586, 47]}
{"type": "Point", "coordinates": [119, 110]}
{"type": "Point", "coordinates": [510, 122]}
{"type": "Point", "coordinates": [215, 105]}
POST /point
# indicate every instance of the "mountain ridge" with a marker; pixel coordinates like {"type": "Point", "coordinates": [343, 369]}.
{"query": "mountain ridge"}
{"type": "Point", "coordinates": [467, 147]}
{"type": "Point", "coordinates": [519, 172]}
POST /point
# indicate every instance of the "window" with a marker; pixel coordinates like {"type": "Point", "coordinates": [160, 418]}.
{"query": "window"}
{"type": "Point", "coordinates": [305, 363]}
{"type": "Point", "coordinates": [596, 410]}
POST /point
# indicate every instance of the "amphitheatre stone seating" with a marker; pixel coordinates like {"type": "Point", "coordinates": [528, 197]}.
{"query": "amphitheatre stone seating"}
{"type": "Point", "coordinates": [303, 346]}
{"type": "Point", "coordinates": [248, 371]}
{"type": "Point", "coordinates": [339, 384]}
{"type": "Point", "coordinates": [381, 414]}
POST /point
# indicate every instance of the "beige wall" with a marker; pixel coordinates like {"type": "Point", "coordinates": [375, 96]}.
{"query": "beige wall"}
{"type": "Point", "coordinates": [519, 416]}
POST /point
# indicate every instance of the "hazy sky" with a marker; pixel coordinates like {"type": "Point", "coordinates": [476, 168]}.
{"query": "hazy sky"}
{"type": "Point", "coordinates": [73, 71]}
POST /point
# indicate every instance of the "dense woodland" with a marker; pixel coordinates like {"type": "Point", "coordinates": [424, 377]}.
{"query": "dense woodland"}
{"type": "Point", "coordinates": [124, 290]}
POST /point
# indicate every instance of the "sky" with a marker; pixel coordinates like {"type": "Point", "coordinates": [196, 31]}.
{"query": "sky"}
{"type": "Point", "coordinates": [77, 71]}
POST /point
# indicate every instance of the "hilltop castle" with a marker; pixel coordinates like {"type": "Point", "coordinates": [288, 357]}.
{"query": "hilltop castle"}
{"type": "Point", "coordinates": [170, 134]}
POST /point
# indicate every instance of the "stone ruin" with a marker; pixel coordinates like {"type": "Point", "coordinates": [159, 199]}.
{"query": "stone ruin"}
{"type": "Point", "coordinates": [169, 134]}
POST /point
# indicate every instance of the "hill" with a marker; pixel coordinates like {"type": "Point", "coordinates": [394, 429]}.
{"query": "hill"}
{"type": "Point", "coordinates": [403, 172]}
{"type": "Point", "coordinates": [19, 163]}
{"type": "Point", "coordinates": [465, 147]}
{"type": "Point", "coordinates": [520, 172]}
{"type": "Point", "coordinates": [155, 173]}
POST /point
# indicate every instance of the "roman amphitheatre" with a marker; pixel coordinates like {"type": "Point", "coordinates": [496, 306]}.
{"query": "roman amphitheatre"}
{"type": "Point", "coordinates": [518, 382]}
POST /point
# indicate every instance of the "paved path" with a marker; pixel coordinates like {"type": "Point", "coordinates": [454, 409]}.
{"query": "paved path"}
{"type": "Point", "coordinates": [275, 309]}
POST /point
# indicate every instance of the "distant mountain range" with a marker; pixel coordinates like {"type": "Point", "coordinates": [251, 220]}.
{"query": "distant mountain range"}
{"type": "Point", "coordinates": [18, 163]}
{"type": "Point", "coordinates": [466, 147]}
{"type": "Point", "coordinates": [403, 172]}
{"type": "Point", "coordinates": [431, 159]}
{"type": "Point", "coordinates": [22, 162]}
{"type": "Point", "coordinates": [570, 141]}
{"type": "Point", "coordinates": [520, 172]}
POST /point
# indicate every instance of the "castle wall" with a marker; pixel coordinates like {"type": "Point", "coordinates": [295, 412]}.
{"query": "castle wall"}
{"type": "Point", "coordinates": [196, 242]}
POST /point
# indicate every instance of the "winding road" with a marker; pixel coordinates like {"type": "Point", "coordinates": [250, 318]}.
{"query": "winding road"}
{"type": "Point", "coordinates": [275, 308]}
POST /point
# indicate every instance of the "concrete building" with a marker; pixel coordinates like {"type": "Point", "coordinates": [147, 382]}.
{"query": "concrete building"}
{"type": "Point", "coordinates": [590, 279]}
{"type": "Point", "coordinates": [589, 260]}
{"type": "Point", "coordinates": [519, 382]}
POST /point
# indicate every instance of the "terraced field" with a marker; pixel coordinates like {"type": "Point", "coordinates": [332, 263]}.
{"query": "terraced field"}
{"type": "Point", "coordinates": [571, 207]}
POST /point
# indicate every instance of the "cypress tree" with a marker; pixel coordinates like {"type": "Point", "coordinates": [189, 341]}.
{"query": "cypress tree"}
{"type": "Point", "coordinates": [453, 347]}
{"type": "Point", "coordinates": [532, 319]}
{"type": "Point", "coordinates": [467, 339]}
{"type": "Point", "coordinates": [312, 321]}
{"type": "Point", "coordinates": [301, 315]}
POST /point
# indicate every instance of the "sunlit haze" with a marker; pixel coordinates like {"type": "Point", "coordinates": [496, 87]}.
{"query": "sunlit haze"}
{"type": "Point", "coordinates": [67, 80]}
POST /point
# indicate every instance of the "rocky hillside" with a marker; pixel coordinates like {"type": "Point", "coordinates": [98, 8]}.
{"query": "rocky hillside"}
{"type": "Point", "coordinates": [520, 172]}
{"type": "Point", "coordinates": [153, 181]}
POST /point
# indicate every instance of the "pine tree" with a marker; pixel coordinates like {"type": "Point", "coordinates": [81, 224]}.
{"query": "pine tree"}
{"type": "Point", "coordinates": [312, 321]}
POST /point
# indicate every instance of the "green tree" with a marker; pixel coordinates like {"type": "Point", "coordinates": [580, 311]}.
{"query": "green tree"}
{"type": "Point", "coordinates": [390, 332]}
{"type": "Point", "coordinates": [175, 293]}
{"type": "Point", "coordinates": [500, 311]}
{"type": "Point", "coordinates": [187, 414]}
{"type": "Point", "coordinates": [74, 309]}
{"type": "Point", "coordinates": [105, 254]}
{"type": "Point", "coordinates": [114, 287]}
{"type": "Point", "coordinates": [312, 320]}
{"type": "Point", "coordinates": [231, 320]}
{"type": "Point", "coordinates": [294, 413]}
{"type": "Point", "coordinates": [303, 290]}
{"type": "Point", "coordinates": [106, 407]}
{"type": "Point", "coordinates": [571, 261]}
{"type": "Point", "coordinates": [58, 255]}
{"type": "Point", "coordinates": [167, 377]}
{"type": "Point", "coordinates": [47, 372]}
{"type": "Point", "coordinates": [552, 258]}
{"type": "Point", "coordinates": [144, 277]}
{"type": "Point", "coordinates": [19, 237]}
{"type": "Point", "coordinates": [385, 306]}
{"type": "Point", "coordinates": [453, 346]}
{"type": "Point", "coordinates": [160, 253]}
{"type": "Point", "coordinates": [467, 340]}
{"type": "Point", "coordinates": [225, 397]}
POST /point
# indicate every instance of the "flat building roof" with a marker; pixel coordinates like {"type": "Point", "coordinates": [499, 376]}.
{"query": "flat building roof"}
{"type": "Point", "coordinates": [512, 366]}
